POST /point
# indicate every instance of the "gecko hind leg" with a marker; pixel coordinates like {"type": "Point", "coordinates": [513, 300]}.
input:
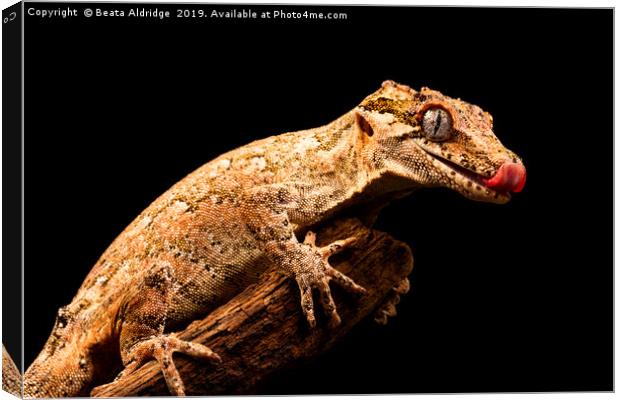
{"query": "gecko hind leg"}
{"type": "Point", "coordinates": [161, 348]}
{"type": "Point", "coordinates": [142, 332]}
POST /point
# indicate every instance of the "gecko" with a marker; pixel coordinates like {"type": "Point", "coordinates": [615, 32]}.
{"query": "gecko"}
{"type": "Point", "coordinates": [217, 230]}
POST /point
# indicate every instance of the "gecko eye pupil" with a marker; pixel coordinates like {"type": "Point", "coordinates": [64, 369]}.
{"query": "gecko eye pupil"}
{"type": "Point", "coordinates": [436, 125]}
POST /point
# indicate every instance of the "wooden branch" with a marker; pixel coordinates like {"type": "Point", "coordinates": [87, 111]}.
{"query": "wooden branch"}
{"type": "Point", "coordinates": [263, 330]}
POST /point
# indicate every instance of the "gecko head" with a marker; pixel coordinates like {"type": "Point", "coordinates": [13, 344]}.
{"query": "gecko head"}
{"type": "Point", "coordinates": [427, 139]}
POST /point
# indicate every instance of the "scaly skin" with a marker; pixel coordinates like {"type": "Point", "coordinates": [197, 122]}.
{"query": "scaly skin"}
{"type": "Point", "coordinates": [214, 232]}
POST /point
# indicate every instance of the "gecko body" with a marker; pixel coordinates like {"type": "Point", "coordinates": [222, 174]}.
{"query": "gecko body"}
{"type": "Point", "coordinates": [216, 231]}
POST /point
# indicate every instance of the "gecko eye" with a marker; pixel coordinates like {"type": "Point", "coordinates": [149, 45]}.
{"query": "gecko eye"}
{"type": "Point", "coordinates": [436, 125]}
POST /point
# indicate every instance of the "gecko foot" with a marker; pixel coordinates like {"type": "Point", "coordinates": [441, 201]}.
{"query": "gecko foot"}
{"type": "Point", "coordinates": [316, 273]}
{"type": "Point", "coordinates": [161, 348]}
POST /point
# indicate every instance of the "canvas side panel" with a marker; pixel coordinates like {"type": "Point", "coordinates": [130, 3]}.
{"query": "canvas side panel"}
{"type": "Point", "coordinates": [12, 20]}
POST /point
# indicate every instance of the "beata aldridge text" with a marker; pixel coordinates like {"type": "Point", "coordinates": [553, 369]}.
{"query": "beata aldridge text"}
{"type": "Point", "coordinates": [134, 12]}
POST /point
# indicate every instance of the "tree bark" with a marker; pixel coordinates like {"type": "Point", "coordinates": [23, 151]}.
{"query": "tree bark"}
{"type": "Point", "coordinates": [263, 330]}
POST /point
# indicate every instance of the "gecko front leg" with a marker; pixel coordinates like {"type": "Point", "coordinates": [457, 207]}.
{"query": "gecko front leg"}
{"type": "Point", "coordinates": [304, 261]}
{"type": "Point", "coordinates": [308, 264]}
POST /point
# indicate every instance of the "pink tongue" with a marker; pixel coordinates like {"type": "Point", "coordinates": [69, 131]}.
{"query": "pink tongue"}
{"type": "Point", "coordinates": [509, 178]}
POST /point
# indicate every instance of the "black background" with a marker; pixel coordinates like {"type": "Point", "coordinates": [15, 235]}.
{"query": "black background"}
{"type": "Point", "coordinates": [504, 298]}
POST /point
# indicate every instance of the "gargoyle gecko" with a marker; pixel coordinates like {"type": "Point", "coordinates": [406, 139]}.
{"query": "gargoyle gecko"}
{"type": "Point", "coordinates": [214, 232]}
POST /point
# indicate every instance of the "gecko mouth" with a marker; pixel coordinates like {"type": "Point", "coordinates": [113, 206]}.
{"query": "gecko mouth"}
{"type": "Point", "coordinates": [510, 177]}
{"type": "Point", "coordinates": [471, 175]}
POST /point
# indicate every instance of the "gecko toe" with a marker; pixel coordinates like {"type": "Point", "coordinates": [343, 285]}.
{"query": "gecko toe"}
{"type": "Point", "coordinates": [329, 306]}
{"type": "Point", "coordinates": [307, 304]}
{"type": "Point", "coordinates": [193, 349]}
{"type": "Point", "coordinates": [163, 355]}
{"type": "Point", "coordinates": [344, 281]}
